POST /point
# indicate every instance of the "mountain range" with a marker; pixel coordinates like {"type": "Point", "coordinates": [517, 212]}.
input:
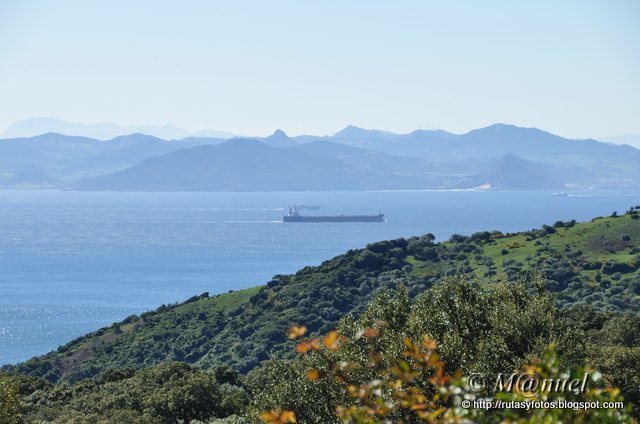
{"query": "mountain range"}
{"type": "Point", "coordinates": [31, 127]}
{"type": "Point", "coordinates": [500, 157]}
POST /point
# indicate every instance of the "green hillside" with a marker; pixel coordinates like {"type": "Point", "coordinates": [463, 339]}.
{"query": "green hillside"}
{"type": "Point", "coordinates": [493, 302]}
{"type": "Point", "coordinates": [593, 263]}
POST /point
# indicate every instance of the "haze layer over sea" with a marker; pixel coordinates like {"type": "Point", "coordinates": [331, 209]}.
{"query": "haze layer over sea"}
{"type": "Point", "coordinates": [72, 262]}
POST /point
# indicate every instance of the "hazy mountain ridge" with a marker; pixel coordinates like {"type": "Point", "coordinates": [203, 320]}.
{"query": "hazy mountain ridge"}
{"type": "Point", "coordinates": [632, 140]}
{"type": "Point", "coordinates": [499, 156]}
{"type": "Point", "coordinates": [239, 164]}
{"type": "Point", "coordinates": [31, 127]}
{"type": "Point", "coordinates": [67, 159]}
{"type": "Point", "coordinates": [491, 142]}
{"type": "Point", "coordinates": [513, 172]}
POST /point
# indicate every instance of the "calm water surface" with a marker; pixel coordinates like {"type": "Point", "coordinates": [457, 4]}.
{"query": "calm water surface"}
{"type": "Point", "coordinates": [72, 262]}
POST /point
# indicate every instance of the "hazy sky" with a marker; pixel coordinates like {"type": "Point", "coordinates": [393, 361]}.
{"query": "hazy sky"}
{"type": "Point", "coordinates": [570, 67]}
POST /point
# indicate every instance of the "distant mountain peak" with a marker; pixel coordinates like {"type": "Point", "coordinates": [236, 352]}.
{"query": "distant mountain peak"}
{"type": "Point", "coordinates": [512, 172]}
{"type": "Point", "coordinates": [502, 125]}
{"type": "Point", "coordinates": [498, 127]}
{"type": "Point", "coordinates": [279, 139]}
{"type": "Point", "coordinates": [353, 128]}
{"type": "Point", "coordinates": [137, 136]}
{"type": "Point", "coordinates": [52, 135]}
{"type": "Point", "coordinates": [279, 133]}
{"type": "Point", "coordinates": [512, 133]}
{"type": "Point", "coordinates": [353, 131]}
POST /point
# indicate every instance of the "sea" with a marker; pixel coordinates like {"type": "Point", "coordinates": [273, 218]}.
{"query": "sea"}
{"type": "Point", "coordinates": [72, 262]}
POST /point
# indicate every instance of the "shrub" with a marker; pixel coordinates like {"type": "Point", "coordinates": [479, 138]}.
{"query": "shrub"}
{"type": "Point", "coordinates": [407, 383]}
{"type": "Point", "coordinates": [457, 238]}
{"type": "Point", "coordinates": [10, 404]}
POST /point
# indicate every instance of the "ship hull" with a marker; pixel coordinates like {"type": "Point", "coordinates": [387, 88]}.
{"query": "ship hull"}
{"type": "Point", "coordinates": [335, 218]}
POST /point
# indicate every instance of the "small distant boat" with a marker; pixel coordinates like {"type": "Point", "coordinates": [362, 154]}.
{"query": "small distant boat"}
{"type": "Point", "coordinates": [294, 216]}
{"type": "Point", "coordinates": [560, 194]}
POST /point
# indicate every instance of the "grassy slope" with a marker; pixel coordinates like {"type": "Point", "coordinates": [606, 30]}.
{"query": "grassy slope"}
{"type": "Point", "coordinates": [598, 241]}
{"type": "Point", "coordinates": [594, 262]}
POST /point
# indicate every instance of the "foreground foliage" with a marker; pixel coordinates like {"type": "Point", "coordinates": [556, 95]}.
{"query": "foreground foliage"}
{"type": "Point", "coordinates": [165, 393]}
{"type": "Point", "coordinates": [10, 404]}
{"type": "Point", "coordinates": [412, 386]}
{"type": "Point", "coordinates": [371, 369]}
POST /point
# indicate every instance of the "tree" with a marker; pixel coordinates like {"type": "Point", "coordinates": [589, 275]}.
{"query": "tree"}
{"type": "Point", "coordinates": [405, 360]}
{"type": "Point", "coordinates": [10, 405]}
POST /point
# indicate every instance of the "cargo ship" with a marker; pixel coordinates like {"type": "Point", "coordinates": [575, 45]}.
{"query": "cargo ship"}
{"type": "Point", "coordinates": [294, 216]}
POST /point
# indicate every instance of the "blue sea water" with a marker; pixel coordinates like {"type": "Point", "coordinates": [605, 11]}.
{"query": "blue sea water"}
{"type": "Point", "coordinates": [72, 262]}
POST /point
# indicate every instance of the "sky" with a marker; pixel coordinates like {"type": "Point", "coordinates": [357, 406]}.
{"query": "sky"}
{"type": "Point", "coordinates": [249, 67]}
